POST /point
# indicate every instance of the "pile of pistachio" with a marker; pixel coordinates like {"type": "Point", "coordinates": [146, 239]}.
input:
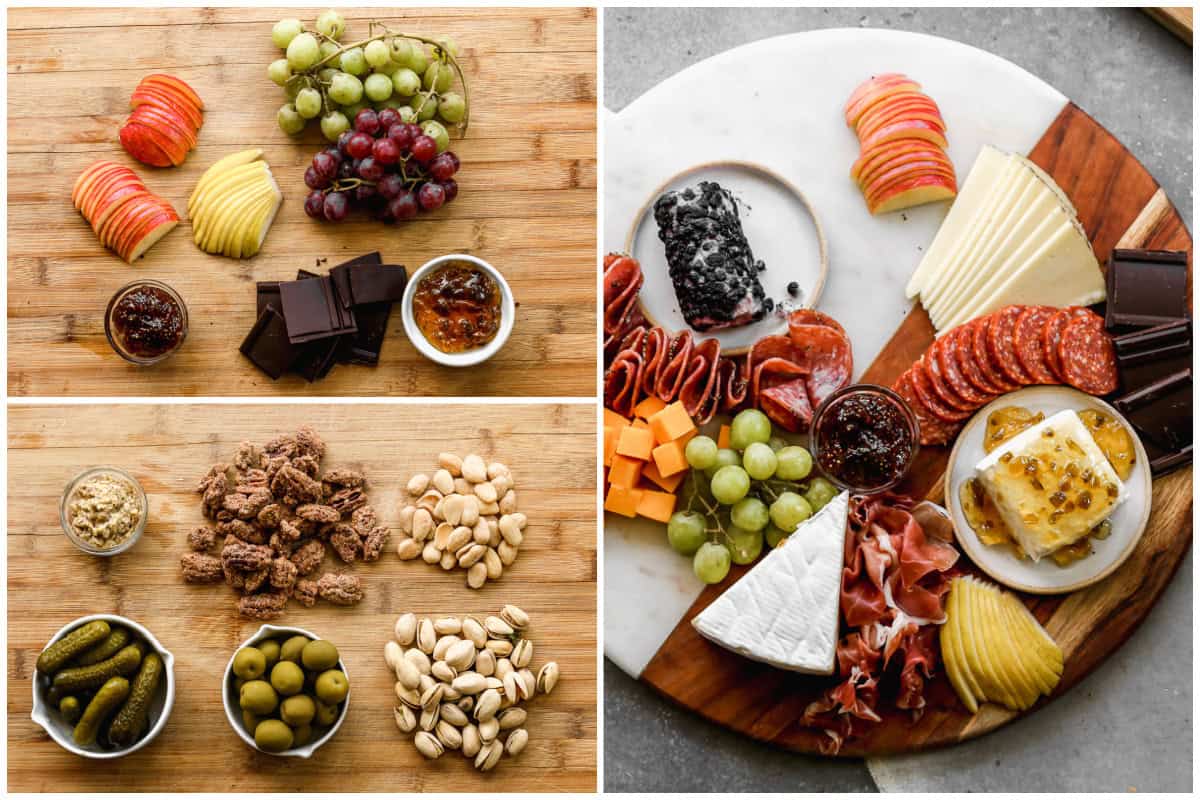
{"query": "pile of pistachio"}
{"type": "Point", "coordinates": [461, 684]}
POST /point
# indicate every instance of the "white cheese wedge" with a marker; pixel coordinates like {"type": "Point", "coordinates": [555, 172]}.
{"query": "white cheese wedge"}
{"type": "Point", "coordinates": [785, 611]}
{"type": "Point", "coordinates": [974, 192]}
{"type": "Point", "coordinates": [1051, 484]}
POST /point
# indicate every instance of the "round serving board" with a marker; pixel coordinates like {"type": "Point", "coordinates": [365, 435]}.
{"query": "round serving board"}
{"type": "Point", "coordinates": [802, 81]}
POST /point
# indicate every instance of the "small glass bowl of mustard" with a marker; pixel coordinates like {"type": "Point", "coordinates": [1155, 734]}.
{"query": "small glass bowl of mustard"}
{"type": "Point", "coordinates": [469, 322]}
{"type": "Point", "coordinates": [71, 492]}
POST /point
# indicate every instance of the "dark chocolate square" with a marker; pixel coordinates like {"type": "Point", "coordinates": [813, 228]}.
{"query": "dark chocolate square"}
{"type": "Point", "coordinates": [341, 276]}
{"type": "Point", "coordinates": [312, 310]}
{"type": "Point", "coordinates": [267, 345]}
{"type": "Point", "coordinates": [1146, 287]}
{"type": "Point", "coordinates": [378, 284]}
{"type": "Point", "coordinates": [364, 346]}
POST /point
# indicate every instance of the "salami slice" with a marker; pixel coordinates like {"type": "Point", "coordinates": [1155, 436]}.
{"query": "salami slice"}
{"type": "Point", "coordinates": [923, 386]}
{"type": "Point", "coordinates": [825, 352]}
{"type": "Point", "coordinates": [622, 282]}
{"type": "Point", "coordinates": [810, 316]}
{"type": "Point", "coordinates": [1052, 335]}
{"type": "Point", "coordinates": [699, 390]}
{"type": "Point", "coordinates": [948, 351]}
{"type": "Point", "coordinates": [671, 373]}
{"type": "Point", "coordinates": [983, 358]}
{"type": "Point", "coordinates": [787, 405]}
{"type": "Point", "coordinates": [964, 352]}
{"type": "Point", "coordinates": [734, 386]}
{"type": "Point", "coordinates": [1027, 336]}
{"type": "Point", "coordinates": [945, 391]}
{"type": "Point", "coordinates": [654, 350]}
{"type": "Point", "coordinates": [934, 431]}
{"type": "Point", "coordinates": [1089, 360]}
{"type": "Point", "coordinates": [622, 381]}
{"type": "Point", "coordinates": [1001, 346]}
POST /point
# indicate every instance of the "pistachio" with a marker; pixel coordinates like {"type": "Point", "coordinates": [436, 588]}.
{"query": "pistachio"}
{"type": "Point", "coordinates": [522, 653]}
{"type": "Point", "coordinates": [406, 518]}
{"type": "Point", "coordinates": [461, 655]}
{"type": "Point", "coordinates": [473, 469]}
{"type": "Point", "coordinates": [448, 735]}
{"type": "Point", "coordinates": [454, 715]}
{"type": "Point", "coordinates": [419, 660]}
{"type": "Point", "coordinates": [409, 697]}
{"type": "Point", "coordinates": [528, 684]}
{"type": "Point", "coordinates": [392, 653]}
{"type": "Point", "coordinates": [515, 617]}
{"type": "Point", "coordinates": [477, 575]}
{"type": "Point", "coordinates": [426, 636]}
{"type": "Point", "coordinates": [488, 756]}
{"type": "Point", "coordinates": [451, 463]}
{"type": "Point", "coordinates": [469, 683]}
{"type": "Point", "coordinates": [487, 704]}
{"type": "Point", "coordinates": [503, 666]}
{"type": "Point", "coordinates": [443, 481]}
{"type": "Point", "coordinates": [422, 524]}
{"type": "Point", "coordinates": [510, 687]}
{"type": "Point", "coordinates": [406, 719]}
{"type": "Point", "coordinates": [516, 741]}
{"type": "Point", "coordinates": [430, 554]}
{"type": "Point", "coordinates": [494, 683]}
{"type": "Point", "coordinates": [405, 629]}
{"type": "Point", "coordinates": [501, 647]}
{"type": "Point", "coordinates": [485, 662]}
{"type": "Point", "coordinates": [547, 677]}
{"type": "Point", "coordinates": [427, 683]}
{"type": "Point", "coordinates": [467, 703]}
{"type": "Point", "coordinates": [511, 718]}
{"type": "Point", "coordinates": [432, 696]}
{"type": "Point", "coordinates": [408, 549]}
{"type": "Point", "coordinates": [489, 729]}
{"type": "Point", "coordinates": [417, 484]}
{"type": "Point", "coordinates": [451, 695]}
{"type": "Point", "coordinates": [471, 742]}
{"type": "Point", "coordinates": [428, 745]}
{"type": "Point", "coordinates": [444, 643]}
{"type": "Point", "coordinates": [443, 671]}
{"type": "Point", "coordinates": [407, 673]}
{"type": "Point", "coordinates": [429, 718]}
{"type": "Point", "coordinates": [473, 630]}
{"type": "Point", "coordinates": [497, 627]}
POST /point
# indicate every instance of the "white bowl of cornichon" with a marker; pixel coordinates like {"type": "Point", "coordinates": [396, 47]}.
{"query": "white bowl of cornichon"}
{"type": "Point", "coordinates": [103, 687]}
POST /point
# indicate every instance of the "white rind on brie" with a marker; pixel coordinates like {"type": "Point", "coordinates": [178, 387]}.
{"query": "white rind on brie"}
{"type": "Point", "coordinates": [785, 611]}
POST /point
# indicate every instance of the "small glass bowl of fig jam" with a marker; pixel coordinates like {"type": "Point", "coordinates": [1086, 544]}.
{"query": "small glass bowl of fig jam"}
{"type": "Point", "coordinates": [458, 310]}
{"type": "Point", "coordinates": [864, 438]}
{"type": "Point", "coordinates": [146, 321]}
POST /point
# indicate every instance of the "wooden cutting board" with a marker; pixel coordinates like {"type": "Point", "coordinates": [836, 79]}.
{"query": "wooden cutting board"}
{"type": "Point", "coordinates": [527, 201]}
{"type": "Point", "coordinates": [1114, 195]}
{"type": "Point", "coordinates": [551, 450]}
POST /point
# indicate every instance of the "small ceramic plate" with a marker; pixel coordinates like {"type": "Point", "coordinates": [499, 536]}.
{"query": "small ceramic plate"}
{"type": "Point", "coordinates": [476, 355]}
{"type": "Point", "coordinates": [1046, 577]}
{"type": "Point", "coordinates": [783, 231]}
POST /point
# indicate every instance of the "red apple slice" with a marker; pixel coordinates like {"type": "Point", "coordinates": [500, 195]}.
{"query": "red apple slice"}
{"type": "Point", "coordinates": [887, 150]}
{"type": "Point", "coordinates": [872, 91]}
{"type": "Point", "coordinates": [92, 177]}
{"type": "Point", "coordinates": [157, 231]}
{"type": "Point", "coordinates": [902, 98]}
{"type": "Point", "coordinates": [883, 190]}
{"type": "Point", "coordinates": [136, 141]}
{"type": "Point", "coordinates": [115, 200]}
{"type": "Point", "coordinates": [911, 129]}
{"type": "Point", "coordinates": [124, 233]}
{"type": "Point", "coordinates": [167, 122]}
{"type": "Point", "coordinates": [174, 149]}
{"type": "Point", "coordinates": [145, 224]}
{"type": "Point", "coordinates": [905, 173]}
{"type": "Point", "coordinates": [868, 133]}
{"type": "Point", "coordinates": [885, 170]}
{"type": "Point", "coordinates": [97, 194]}
{"type": "Point", "coordinates": [149, 94]}
{"type": "Point", "coordinates": [889, 110]}
{"type": "Point", "coordinates": [919, 192]}
{"type": "Point", "coordinates": [176, 85]}
{"type": "Point", "coordinates": [119, 216]}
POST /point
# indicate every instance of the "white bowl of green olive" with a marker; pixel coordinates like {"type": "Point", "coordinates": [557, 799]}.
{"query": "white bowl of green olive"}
{"type": "Point", "coordinates": [286, 691]}
{"type": "Point", "coordinates": [103, 687]}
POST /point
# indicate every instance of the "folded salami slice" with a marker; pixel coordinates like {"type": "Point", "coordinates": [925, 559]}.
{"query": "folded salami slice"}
{"type": "Point", "coordinates": [734, 386]}
{"type": "Point", "coordinates": [654, 350]}
{"type": "Point", "coordinates": [622, 281]}
{"type": "Point", "coordinates": [810, 316]}
{"type": "Point", "coordinates": [673, 368]}
{"type": "Point", "coordinates": [787, 405]}
{"type": "Point", "coordinates": [699, 393]}
{"type": "Point", "coordinates": [622, 382]}
{"type": "Point", "coordinates": [825, 352]}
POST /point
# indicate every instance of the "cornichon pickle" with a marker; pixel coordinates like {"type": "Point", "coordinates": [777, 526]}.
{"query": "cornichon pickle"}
{"type": "Point", "coordinates": [70, 708]}
{"type": "Point", "coordinates": [111, 694]}
{"type": "Point", "coordinates": [125, 662]}
{"type": "Point", "coordinates": [82, 638]}
{"type": "Point", "coordinates": [130, 722]}
{"type": "Point", "coordinates": [112, 644]}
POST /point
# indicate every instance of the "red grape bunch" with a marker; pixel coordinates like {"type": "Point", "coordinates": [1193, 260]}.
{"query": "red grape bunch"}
{"type": "Point", "coordinates": [394, 169]}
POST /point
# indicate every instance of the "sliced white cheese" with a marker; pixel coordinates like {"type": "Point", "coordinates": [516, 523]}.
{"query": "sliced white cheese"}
{"type": "Point", "coordinates": [972, 195]}
{"type": "Point", "coordinates": [785, 610]}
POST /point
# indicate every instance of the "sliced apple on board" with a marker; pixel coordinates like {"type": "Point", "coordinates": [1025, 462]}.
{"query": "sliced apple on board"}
{"type": "Point", "coordinates": [902, 140]}
{"type": "Point", "coordinates": [166, 118]}
{"type": "Point", "coordinates": [994, 649]}
{"type": "Point", "coordinates": [127, 217]}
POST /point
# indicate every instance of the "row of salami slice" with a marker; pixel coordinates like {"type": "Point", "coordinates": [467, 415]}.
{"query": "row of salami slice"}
{"type": "Point", "coordinates": [785, 375]}
{"type": "Point", "coordinates": [972, 364]}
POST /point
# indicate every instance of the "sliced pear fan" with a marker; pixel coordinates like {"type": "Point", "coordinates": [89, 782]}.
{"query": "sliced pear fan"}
{"type": "Point", "coordinates": [234, 204]}
{"type": "Point", "coordinates": [994, 649]}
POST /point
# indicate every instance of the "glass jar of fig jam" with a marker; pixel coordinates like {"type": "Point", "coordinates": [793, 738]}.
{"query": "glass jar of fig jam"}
{"type": "Point", "coordinates": [864, 438]}
{"type": "Point", "coordinates": [457, 307]}
{"type": "Point", "coordinates": [146, 321]}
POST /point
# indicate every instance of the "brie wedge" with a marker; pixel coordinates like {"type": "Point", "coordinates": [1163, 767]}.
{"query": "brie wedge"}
{"type": "Point", "coordinates": [785, 611]}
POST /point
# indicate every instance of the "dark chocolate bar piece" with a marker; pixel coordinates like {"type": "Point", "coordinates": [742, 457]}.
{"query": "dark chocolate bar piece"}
{"type": "Point", "coordinates": [318, 357]}
{"type": "Point", "coordinates": [267, 345]}
{"type": "Point", "coordinates": [268, 295]}
{"type": "Point", "coordinates": [1162, 411]}
{"type": "Point", "coordinates": [1171, 461]}
{"type": "Point", "coordinates": [1151, 338]}
{"type": "Point", "coordinates": [1150, 366]}
{"type": "Point", "coordinates": [364, 346]}
{"type": "Point", "coordinates": [313, 311]}
{"type": "Point", "coordinates": [1146, 287]}
{"type": "Point", "coordinates": [378, 284]}
{"type": "Point", "coordinates": [342, 280]}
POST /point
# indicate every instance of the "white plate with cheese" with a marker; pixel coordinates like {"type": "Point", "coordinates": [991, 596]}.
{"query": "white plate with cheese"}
{"type": "Point", "coordinates": [1044, 576]}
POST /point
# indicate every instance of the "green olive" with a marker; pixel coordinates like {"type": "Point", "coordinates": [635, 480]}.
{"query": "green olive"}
{"type": "Point", "coordinates": [326, 714]}
{"type": "Point", "coordinates": [291, 649]}
{"type": "Point", "coordinates": [319, 655]}
{"type": "Point", "coordinates": [273, 736]}
{"type": "Point", "coordinates": [250, 720]}
{"type": "Point", "coordinates": [332, 686]}
{"type": "Point", "coordinates": [259, 697]}
{"type": "Point", "coordinates": [249, 663]}
{"type": "Point", "coordinates": [287, 678]}
{"type": "Point", "coordinates": [302, 735]}
{"type": "Point", "coordinates": [298, 710]}
{"type": "Point", "coordinates": [270, 650]}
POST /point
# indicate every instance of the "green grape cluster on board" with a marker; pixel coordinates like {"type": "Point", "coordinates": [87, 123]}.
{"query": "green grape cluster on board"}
{"type": "Point", "coordinates": [327, 79]}
{"type": "Point", "coordinates": [739, 498]}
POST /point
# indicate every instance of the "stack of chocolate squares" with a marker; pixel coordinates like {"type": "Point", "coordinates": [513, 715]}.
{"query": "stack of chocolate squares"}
{"type": "Point", "coordinates": [310, 324]}
{"type": "Point", "coordinates": [1148, 314]}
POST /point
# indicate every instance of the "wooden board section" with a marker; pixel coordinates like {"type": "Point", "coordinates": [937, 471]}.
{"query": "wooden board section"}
{"type": "Point", "coordinates": [1111, 190]}
{"type": "Point", "coordinates": [551, 450]}
{"type": "Point", "coordinates": [1177, 20]}
{"type": "Point", "coordinates": [527, 201]}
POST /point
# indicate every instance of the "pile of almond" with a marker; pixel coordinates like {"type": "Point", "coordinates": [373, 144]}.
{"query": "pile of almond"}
{"type": "Point", "coordinates": [464, 516]}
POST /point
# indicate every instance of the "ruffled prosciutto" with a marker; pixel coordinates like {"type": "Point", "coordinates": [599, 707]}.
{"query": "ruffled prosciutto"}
{"type": "Point", "coordinates": [894, 581]}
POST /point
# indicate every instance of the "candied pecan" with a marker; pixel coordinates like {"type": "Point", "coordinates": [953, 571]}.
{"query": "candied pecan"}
{"type": "Point", "coordinates": [292, 487]}
{"type": "Point", "coordinates": [233, 502]}
{"type": "Point", "coordinates": [251, 481]}
{"type": "Point", "coordinates": [247, 456]}
{"type": "Point", "coordinates": [283, 445]}
{"type": "Point", "coordinates": [247, 557]}
{"type": "Point", "coordinates": [347, 500]}
{"type": "Point", "coordinates": [283, 574]}
{"type": "Point", "coordinates": [307, 464]}
{"type": "Point", "coordinates": [202, 538]}
{"type": "Point", "coordinates": [275, 464]}
{"type": "Point", "coordinates": [224, 516]}
{"type": "Point", "coordinates": [308, 443]}
{"type": "Point", "coordinates": [280, 545]}
{"type": "Point", "coordinates": [318, 513]}
{"type": "Point", "coordinates": [201, 568]}
{"type": "Point", "coordinates": [270, 516]}
{"type": "Point", "coordinates": [217, 475]}
{"type": "Point", "coordinates": [307, 527]}
{"type": "Point", "coordinates": [245, 531]}
{"type": "Point", "coordinates": [247, 581]}
{"type": "Point", "coordinates": [268, 605]}
{"type": "Point", "coordinates": [364, 520]}
{"type": "Point", "coordinates": [289, 530]}
{"type": "Point", "coordinates": [343, 476]}
{"type": "Point", "coordinates": [374, 542]}
{"type": "Point", "coordinates": [339, 589]}
{"type": "Point", "coordinates": [345, 542]}
{"type": "Point", "coordinates": [255, 503]}
{"type": "Point", "coordinates": [308, 556]}
{"type": "Point", "coordinates": [323, 532]}
{"type": "Point", "coordinates": [305, 593]}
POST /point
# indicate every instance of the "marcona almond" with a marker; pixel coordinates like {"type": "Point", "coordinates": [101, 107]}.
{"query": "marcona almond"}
{"type": "Point", "coordinates": [497, 627]}
{"type": "Point", "coordinates": [508, 502]}
{"type": "Point", "coordinates": [418, 660]}
{"type": "Point", "coordinates": [428, 745]}
{"type": "Point", "coordinates": [452, 509]}
{"type": "Point", "coordinates": [406, 518]}
{"type": "Point", "coordinates": [488, 509]}
{"type": "Point", "coordinates": [470, 512]}
{"type": "Point", "coordinates": [486, 493]}
{"type": "Point", "coordinates": [438, 509]}
{"type": "Point", "coordinates": [471, 743]}
{"type": "Point", "coordinates": [493, 564]}
{"type": "Point", "coordinates": [547, 677]}
{"type": "Point", "coordinates": [496, 469]}
{"type": "Point", "coordinates": [448, 561]}
{"type": "Point", "coordinates": [510, 530]}
{"type": "Point", "coordinates": [516, 742]}
{"type": "Point", "coordinates": [429, 501]}
{"type": "Point", "coordinates": [462, 486]}
{"type": "Point", "coordinates": [448, 735]}
{"type": "Point", "coordinates": [408, 549]}
{"type": "Point", "coordinates": [441, 535]}
{"type": "Point", "coordinates": [501, 483]}
{"type": "Point", "coordinates": [430, 554]}
{"type": "Point", "coordinates": [454, 715]}
{"type": "Point", "coordinates": [461, 655]}
{"type": "Point", "coordinates": [443, 671]}
{"type": "Point", "coordinates": [417, 484]}
{"type": "Point", "coordinates": [482, 532]}
{"type": "Point", "coordinates": [406, 719]}
{"type": "Point", "coordinates": [473, 630]}
{"type": "Point", "coordinates": [477, 575]}
{"type": "Point", "coordinates": [443, 481]}
{"type": "Point", "coordinates": [458, 538]}
{"type": "Point", "coordinates": [522, 520]}
{"type": "Point", "coordinates": [422, 524]}
{"type": "Point", "coordinates": [470, 683]}
{"type": "Point", "coordinates": [473, 469]}
{"type": "Point", "coordinates": [451, 463]}
{"type": "Point", "coordinates": [507, 553]}
{"type": "Point", "coordinates": [407, 673]}
{"type": "Point", "coordinates": [472, 554]}
{"type": "Point", "coordinates": [512, 718]}
{"type": "Point", "coordinates": [392, 653]}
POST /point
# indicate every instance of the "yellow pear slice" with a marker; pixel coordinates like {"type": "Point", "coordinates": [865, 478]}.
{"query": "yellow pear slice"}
{"type": "Point", "coordinates": [952, 654]}
{"type": "Point", "coordinates": [995, 683]}
{"type": "Point", "coordinates": [212, 197]}
{"type": "Point", "coordinates": [1048, 655]}
{"type": "Point", "coordinates": [217, 229]}
{"type": "Point", "coordinates": [222, 165]}
{"type": "Point", "coordinates": [974, 647]}
{"type": "Point", "coordinates": [246, 243]}
{"type": "Point", "coordinates": [1032, 654]}
{"type": "Point", "coordinates": [1008, 647]}
{"type": "Point", "coordinates": [229, 225]}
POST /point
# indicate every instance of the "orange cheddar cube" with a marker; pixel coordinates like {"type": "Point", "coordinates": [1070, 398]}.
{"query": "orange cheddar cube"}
{"type": "Point", "coordinates": [666, 482]}
{"type": "Point", "coordinates": [723, 438]}
{"type": "Point", "coordinates": [656, 505]}
{"type": "Point", "coordinates": [641, 423]}
{"type": "Point", "coordinates": [611, 434]}
{"type": "Point", "coordinates": [614, 419]}
{"type": "Point", "coordinates": [671, 423]}
{"type": "Point", "coordinates": [669, 458]}
{"type": "Point", "coordinates": [635, 443]}
{"type": "Point", "coordinates": [625, 472]}
{"type": "Point", "coordinates": [623, 501]}
{"type": "Point", "coordinates": [687, 437]}
{"type": "Point", "coordinates": [648, 407]}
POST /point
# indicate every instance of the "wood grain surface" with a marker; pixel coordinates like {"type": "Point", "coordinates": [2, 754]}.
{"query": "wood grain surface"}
{"type": "Point", "coordinates": [527, 201]}
{"type": "Point", "coordinates": [1114, 195]}
{"type": "Point", "coordinates": [551, 450]}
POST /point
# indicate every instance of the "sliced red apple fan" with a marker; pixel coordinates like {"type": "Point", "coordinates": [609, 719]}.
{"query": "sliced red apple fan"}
{"type": "Point", "coordinates": [167, 115]}
{"type": "Point", "coordinates": [902, 138]}
{"type": "Point", "coordinates": [126, 216]}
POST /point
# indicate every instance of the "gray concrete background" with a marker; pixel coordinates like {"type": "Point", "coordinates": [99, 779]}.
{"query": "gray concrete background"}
{"type": "Point", "coordinates": [1129, 724]}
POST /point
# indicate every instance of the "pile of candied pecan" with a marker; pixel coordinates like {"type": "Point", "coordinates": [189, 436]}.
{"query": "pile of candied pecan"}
{"type": "Point", "coordinates": [277, 513]}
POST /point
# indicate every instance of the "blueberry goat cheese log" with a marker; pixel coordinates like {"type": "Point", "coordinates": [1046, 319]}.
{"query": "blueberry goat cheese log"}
{"type": "Point", "coordinates": [711, 265]}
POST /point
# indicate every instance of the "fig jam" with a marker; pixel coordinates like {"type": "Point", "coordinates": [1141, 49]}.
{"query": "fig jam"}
{"type": "Point", "coordinates": [864, 438]}
{"type": "Point", "coordinates": [457, 307]}
{"type": "Point", "coordinates": [146, 322]}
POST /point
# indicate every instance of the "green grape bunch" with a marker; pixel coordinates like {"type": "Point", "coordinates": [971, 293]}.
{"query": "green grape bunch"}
{"type": "Point", "coordinates": [744, 497]}
{"type": "Point", "coordinates": [330, 80]}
